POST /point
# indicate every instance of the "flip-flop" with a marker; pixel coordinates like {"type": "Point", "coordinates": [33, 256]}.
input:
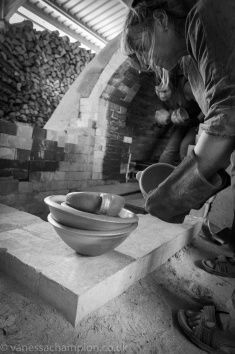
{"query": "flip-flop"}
{"type": "Point", "coordinates": [223, 266]}
{"type": "Point", "coordinates": [204, 336]}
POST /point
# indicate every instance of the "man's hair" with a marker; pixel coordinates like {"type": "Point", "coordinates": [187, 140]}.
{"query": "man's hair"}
{"type": "Point", "coordinates": [139, 37]}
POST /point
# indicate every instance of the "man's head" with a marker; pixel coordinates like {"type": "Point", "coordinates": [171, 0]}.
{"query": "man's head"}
{"type": "Point", "coordinates": [163, 94]}
{"type": "Point", "coordinates": [154, 34]}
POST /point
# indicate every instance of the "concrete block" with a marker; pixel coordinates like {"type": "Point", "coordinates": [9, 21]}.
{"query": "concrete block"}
{"type": "Point", "coordinates": [145, 238]}
{"type": "Point", "coordinates": [16, 219]}
{"type": "Point", "coordinates": [78, 275]}
{"type": "Point", "coordinates": [4, 209]}
{"type": "Point", "coordinates": [7, 153]}
{"type": "Point", "coordinates": [76, 285]}
{"type": "Point", "coordinates": [20, 271]}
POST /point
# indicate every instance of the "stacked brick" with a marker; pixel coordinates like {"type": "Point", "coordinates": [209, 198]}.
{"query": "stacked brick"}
{"type": "Point", "coordinates": [148, 141]}
{"type": "Point", "coordinates": [36, 162]}
{"type": "Point", "coordinates": [36, 69]}
{"type": "Point", "coordinates": [121, 89]}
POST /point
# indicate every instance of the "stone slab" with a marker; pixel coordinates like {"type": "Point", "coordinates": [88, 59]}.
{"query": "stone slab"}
{"type": "Point", "coordinates": [75, 285]}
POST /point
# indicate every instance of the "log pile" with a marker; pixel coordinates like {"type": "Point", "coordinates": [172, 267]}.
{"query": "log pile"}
{"type": "Point", "coordinates": [36, 69]}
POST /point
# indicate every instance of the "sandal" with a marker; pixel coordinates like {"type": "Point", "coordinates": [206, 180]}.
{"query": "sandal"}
{"type": "Point", "coordinates": [207, 334]}
{"type": "Point", "coordinates": [221, 265]}
{"type": "Point", "coordinates": [212, 233]}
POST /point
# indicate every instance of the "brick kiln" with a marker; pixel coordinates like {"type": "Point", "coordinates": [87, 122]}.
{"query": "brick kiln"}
{"type": "Point", "coordinates": [106, 114]}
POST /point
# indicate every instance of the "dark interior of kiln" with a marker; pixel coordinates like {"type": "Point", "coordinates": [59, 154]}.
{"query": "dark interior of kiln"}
{"type": "Point", "coordinates": [132, 106]}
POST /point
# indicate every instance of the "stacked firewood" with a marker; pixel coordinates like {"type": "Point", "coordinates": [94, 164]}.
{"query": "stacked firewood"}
{"type": "Point", "coordinates": [36, 69]}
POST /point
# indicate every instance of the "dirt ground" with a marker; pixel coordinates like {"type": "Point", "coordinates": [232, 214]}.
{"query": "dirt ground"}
{"type": "Point", "coordinates": [141, 320]}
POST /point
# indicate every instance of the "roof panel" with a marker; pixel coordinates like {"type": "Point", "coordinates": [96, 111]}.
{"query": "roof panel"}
{"type": "Point", "coordinates": [96, 20]}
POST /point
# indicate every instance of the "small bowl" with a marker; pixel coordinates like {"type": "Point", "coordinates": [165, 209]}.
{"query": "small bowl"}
{"type": "Point", "coordinates": [152, 176]}
{"type": "Point", "coordinates": [96, 203]}
{"type": "Point", "coordinates": [71, 217]}
{"type": "Point", "coordinates": [89, 242]}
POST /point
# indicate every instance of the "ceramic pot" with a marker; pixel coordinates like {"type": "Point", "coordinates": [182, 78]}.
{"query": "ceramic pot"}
{"type": "Point", "coordinates": [152, 176]}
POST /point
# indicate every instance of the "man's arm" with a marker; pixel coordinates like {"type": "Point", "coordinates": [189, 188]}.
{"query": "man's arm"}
{"type": "Point", "coordinates": [213, 153]}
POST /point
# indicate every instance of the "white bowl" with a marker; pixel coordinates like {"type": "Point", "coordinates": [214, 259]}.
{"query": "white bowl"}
{"type": "Point", "coordinates": [71, 217]}
{"type": "Point", "coordinates": [90, 242]}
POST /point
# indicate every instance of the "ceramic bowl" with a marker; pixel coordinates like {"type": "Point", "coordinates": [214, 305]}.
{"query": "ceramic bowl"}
{"type": "Point", "coordinates": [96, 202]}
{"type": "Point", "coordinates": [71, 217]}
{"type": "Point", "coordinates": [89, 242]}
{"type": "Point", "coordinates": [152, 176]}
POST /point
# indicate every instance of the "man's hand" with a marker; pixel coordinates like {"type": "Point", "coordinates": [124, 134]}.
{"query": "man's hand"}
{"type": "Point", "coordinates": [180, 117]}
{"type": "Point", "coordinates": [162, 117]}
{"type": "Point", "coordinates": [185, 189]}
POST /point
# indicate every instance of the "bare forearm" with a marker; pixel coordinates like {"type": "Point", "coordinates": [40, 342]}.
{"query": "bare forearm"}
{"type": "Point", "coordinates": [213, 153]}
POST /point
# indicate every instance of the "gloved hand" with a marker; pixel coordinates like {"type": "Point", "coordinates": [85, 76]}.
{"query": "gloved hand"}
{"type": "Point", "coordinates": [162, 117]}
{"type": "Point", "coordinates": [183, 190]}
{"type": "Point", "coordinates": [180, 117]}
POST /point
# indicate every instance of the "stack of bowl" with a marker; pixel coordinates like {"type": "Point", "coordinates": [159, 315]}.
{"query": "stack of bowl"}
{"type": "Point", "coordinates": [88, 231]}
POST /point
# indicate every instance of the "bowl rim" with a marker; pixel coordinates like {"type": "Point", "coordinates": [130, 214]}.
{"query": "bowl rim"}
{"type": "Point", "coordinates": [157, 164]}
{"type": "Point", "coordinates": [54, 200]}
{"type": "Point", "coordinates": [91, 233]}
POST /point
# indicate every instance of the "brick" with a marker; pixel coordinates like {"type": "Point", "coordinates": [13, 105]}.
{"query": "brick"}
{"type": "Point", "coordinates": [8, 128]}
{"type": "Point", "coordinates": [6, 173]}
{"type": "Point", "coordinates": [43, 165]}
{"type": "Point", "coordinates": [39, 133]}
{"type": "Point", "coordinates": [59, 154]}
{"type": "Point", "coordinates": [20, 174]}
{"type": "Point", "coordinates": [7, 163]}
{"type": "Point", "coordinates": [50, 155]}
{"type": "Point", "coordinates": [9, 186]}
{"type": "Point", "coordinates": [71, 139]}
{"type": "Point", "coordinates": [36, 155]}
{"type": "Point", "coordinates": [24, 130]}
{"type": "Point", "coordinates": [23, 155]}
{"type": "Point", "coordinates": [51, 176]}
{"type": "Point", "coordinates": [77, 175]}
{"type": "Point", "coordinates": [76, 185]}
{"type": "Point", "coordinates": [25, 187]}
{"type": "Point", "coordinates": [7, 153]}
{"type": "Point", "coordinates": [49, 186]}
{"type": "Point", "coordinates": [76, 166]}
{"type": "Point", "coordinates": [15, 142]}
{"type": "Point", "coordinates": [50, 145]}
{"type": "Point", "coordinates": [61, 141]}
{"type": "Point", "coordinates": [51, 135]}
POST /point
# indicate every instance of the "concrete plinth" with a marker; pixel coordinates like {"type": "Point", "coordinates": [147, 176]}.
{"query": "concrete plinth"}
{"type": "Point", "coordinates": [75, 285]}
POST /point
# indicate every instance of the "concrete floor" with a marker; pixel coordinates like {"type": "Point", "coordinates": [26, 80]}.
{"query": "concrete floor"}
{"type": "Point", "coordinates": [141, 320]}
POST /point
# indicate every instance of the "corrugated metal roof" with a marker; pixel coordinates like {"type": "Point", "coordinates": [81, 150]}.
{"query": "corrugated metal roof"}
{"type": "Point", "coordinates": [93, 22]}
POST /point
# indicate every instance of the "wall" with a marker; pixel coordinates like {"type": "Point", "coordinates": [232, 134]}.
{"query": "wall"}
{"type": "Point", "coordinates": [148, 139]}
{"type": "Point", "coordinates": [36, 162]}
